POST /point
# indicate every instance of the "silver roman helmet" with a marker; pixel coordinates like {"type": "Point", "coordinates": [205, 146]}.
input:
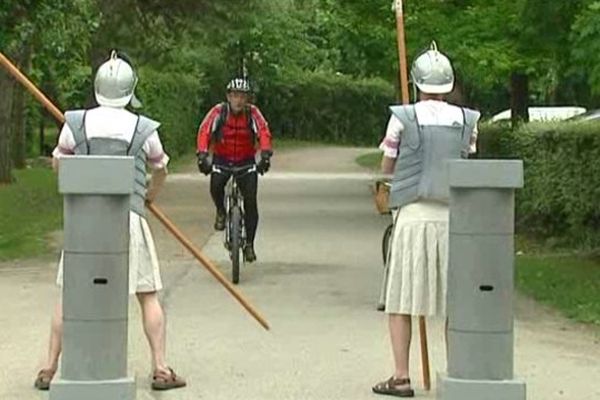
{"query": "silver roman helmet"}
{"type": "Point", "coordinates": [115, 83]}
{"type": "Point", "coordinates": [432, 72]}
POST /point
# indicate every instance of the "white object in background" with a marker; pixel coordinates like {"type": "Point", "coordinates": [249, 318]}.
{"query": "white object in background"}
{"type": "Point", "coordinates": [543, 113]}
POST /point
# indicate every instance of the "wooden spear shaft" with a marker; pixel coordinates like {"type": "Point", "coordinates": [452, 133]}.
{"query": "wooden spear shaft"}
{"type": "Point", "coordinates": [403, 68]}
{"type": "Point", "coordinates": [206, 262]}
{"type": "Point", "coordinates": [402, 63]}
{"type": "Point", "coordinates": [41, 97]}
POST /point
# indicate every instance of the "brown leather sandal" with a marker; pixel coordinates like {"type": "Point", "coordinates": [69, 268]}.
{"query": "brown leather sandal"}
{"type": "Point", "coordinates": [43, 379]}
{"type": "Point", "coordinates": [162, 380]}
{"type": "Point", "coordinates": [391, 387]}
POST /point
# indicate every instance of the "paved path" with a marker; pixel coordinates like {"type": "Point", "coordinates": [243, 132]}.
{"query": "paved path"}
{"type": "Point", "coordinates": [316, 282]}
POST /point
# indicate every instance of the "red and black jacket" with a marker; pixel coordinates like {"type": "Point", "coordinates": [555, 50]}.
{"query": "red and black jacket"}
{"type": "Point", "coordinates": [234, 136]}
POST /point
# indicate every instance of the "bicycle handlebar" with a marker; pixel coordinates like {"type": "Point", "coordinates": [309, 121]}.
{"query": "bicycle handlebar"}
{"type": "Point", "coordinates": [234, 170]}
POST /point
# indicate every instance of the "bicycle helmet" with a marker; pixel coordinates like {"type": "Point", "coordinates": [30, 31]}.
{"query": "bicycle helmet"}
{"type": "Point", "coordinates": [238, 85]}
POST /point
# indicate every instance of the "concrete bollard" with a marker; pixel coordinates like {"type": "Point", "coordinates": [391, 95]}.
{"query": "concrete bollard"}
{"type": "Point", "coordinates": [96, 193]}
{"type": "Point", "coordinates": [481, 281]}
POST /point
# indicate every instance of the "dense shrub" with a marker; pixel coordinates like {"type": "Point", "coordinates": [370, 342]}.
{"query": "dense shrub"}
{"type": "Point", "coordinates": [314, 106]}
{"type": "Point", "coordinates": [173, 99]}
{"type": "Point", "coordinates": [560, 199]}
{"type": "Point", "coordinates": [325, 107]}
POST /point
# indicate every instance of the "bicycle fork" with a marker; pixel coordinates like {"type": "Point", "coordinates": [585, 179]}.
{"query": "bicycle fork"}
{"type": "Point", "coordinates": [386, 268]}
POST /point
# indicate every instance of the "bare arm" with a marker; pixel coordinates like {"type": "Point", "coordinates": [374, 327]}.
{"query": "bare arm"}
{"type": "Point", "coordinates": [64, 147]}
{"type": "Point", "coordinates": [390, 145]}
{"type": "Point", "coordinates": [473, 141]}
{"type": "Point", "coordinates": [156, 183]}
{"type": "Point", "coordinates": [387, 164]}
{"type": "Point", "coordinates": [55, 164]}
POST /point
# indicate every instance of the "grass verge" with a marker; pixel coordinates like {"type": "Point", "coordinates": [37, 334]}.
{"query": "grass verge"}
{"type": "Point", "coordinates": [369, 160]}
{"type": "Point", "coordinates": [30, 209]}
{"type": "Point", "coordinates": [569, 283]}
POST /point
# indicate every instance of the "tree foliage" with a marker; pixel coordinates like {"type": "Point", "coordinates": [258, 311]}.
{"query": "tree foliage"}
{"type": "Point", "coordinates": [586, 46]}
{"type": "Point", "coordinates": [204, 43]}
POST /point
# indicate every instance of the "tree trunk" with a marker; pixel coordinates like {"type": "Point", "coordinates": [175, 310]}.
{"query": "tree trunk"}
{"type": "Point", "coordinates": [519, 85]}
{"type": "Point", "coordinates": [6, 86]}
{"type": "Point", "coordinates": [42, 134]}
{"type": "Point", "coordinates": [457, 95]}
{"type": "Point", "coordinates": [18, 128]}
{"type": "Point", "coordinates": [19, 142]}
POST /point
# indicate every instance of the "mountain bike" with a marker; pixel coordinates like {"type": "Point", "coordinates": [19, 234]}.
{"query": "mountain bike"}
{"type": "Point", "coordinates": [235, 230]}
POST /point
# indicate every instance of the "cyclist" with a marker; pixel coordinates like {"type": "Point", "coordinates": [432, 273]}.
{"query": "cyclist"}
{"type": "Point", "coordinates": [233, 128]}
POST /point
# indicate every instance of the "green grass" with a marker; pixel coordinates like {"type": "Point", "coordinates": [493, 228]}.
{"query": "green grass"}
{"type": "Point", "coordinates": [30, 208]}
{"type": "Point", "coordinates": [370, 160]}
{"type": "Point", "coordinates": [569, 283]}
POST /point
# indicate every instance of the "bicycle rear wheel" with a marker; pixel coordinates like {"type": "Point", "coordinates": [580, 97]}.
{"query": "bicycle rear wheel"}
{"type": "Point", "coordinates": [385, 242]}
{"type": "Point", "coordinates": [385, 248]}
{"type": "Point", "coordinates": [236, 243]}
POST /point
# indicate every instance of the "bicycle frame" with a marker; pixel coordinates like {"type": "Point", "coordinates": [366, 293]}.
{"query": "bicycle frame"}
{"type": "Point", "coordinates": [233, 197]}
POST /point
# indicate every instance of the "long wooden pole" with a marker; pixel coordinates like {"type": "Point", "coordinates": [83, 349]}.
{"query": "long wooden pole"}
{"type": "Point", "coordinates": [206, 262]}
{"type": "Point", "coordinates": [403, 68]}
{"type": "Point", "coordinates": [19, 76]}
{"type": "Point", "coordinates": [402, 63]}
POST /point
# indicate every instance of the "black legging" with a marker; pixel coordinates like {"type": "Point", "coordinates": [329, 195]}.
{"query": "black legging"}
{"type": "Point", "coordinates": [247, 184]}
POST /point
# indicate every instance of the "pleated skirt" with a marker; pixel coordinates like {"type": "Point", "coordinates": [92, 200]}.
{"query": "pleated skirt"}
{"type": "Point", "coordinates": [418, 260]}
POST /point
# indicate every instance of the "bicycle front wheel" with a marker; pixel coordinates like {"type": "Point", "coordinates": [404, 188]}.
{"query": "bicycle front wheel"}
{"type": "Point", "coordinates": [236, 243]}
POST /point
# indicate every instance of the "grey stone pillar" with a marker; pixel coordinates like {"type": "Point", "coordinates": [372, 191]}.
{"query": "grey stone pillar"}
{"type": "Point", "coordinates": [481, 281]}
{"type": "Point", "coordinates": [96, 193]}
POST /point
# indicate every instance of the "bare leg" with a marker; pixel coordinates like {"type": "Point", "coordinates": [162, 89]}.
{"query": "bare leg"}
{"type": "Point", "coordinates": [45, 375]}
{"type": "Point", "coordinates": [55, 346]}
{"type": "Point", "coordinates": [154, 327]}
{"type": "Point", "coordinates": [400, 334]}
{"type": "Point", "coordinates": [164, 378]}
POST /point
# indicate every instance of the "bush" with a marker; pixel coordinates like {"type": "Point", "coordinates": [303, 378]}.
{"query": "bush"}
{"type": "Point", "coordinates": [174, 99]}
{"type": "Point", "coordinates": [562, 178]}
{"type": "Point", "coordinates": [324, 107]}
{"type": "Point", "coordinates": [312, 106]}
